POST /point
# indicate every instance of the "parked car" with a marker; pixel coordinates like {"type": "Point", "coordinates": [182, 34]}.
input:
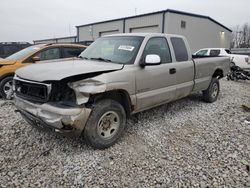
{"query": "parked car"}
{"type": "Point", "coordinates": [236, 59]}
{"type": "Point", "coordinates": [119, 75]}
{"type": "Point", "coordinates": [33, 54]}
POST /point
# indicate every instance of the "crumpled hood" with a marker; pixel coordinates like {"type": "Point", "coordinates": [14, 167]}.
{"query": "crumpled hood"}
{"type": "Point", "coordinates": [60, 70]}
{"type": "Point", "coordinates": [7, 62]}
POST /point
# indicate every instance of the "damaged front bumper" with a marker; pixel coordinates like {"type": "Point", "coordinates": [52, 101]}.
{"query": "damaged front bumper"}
{"type": "Point", "coordinates": [66, 120]}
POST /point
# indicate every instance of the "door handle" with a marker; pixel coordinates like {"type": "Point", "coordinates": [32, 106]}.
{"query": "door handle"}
{"type": "Point", "coordinates": [172, 71]}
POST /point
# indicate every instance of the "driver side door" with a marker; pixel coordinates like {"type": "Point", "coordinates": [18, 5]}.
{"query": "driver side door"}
{"type": "Point", "coordinates": [156, 84]}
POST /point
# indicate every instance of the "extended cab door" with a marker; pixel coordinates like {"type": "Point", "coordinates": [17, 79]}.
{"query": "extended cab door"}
{"type": "Point", "coordinates": [156, 84]}
{"type": "Point", "coordinates": [184, 66]}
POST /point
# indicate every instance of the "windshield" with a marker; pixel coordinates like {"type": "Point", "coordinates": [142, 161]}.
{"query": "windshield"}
{"type": "Point", "coordinates": [24, 53]}
{"type": "Point", "coordinates": [117, 49]}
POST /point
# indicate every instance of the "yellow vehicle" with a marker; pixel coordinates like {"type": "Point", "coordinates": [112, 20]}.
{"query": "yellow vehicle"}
{"type": "Point", "coordinates": [33, 54]}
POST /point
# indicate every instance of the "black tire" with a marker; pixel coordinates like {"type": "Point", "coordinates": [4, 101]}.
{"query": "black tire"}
{"type": "Point", "coordinates": [4, 86]}
{"type": "Point", "coordinates": [212, 92]}
{"type": "Point", "coordinates": [98, 131]}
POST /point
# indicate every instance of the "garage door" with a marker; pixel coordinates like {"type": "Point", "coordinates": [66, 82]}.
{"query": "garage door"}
{"type": "Point", "coordinates": [148, 29]}
{"type": "Point", "coordinates": [103, 33]}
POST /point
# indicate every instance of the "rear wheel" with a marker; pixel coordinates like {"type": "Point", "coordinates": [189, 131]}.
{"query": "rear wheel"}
{"type": "Point", "coordinates": [6, 87]}
{"type": "Point", "coordinates": [211, 93]}
{"type": "Point", "coordinates": [105, 125]}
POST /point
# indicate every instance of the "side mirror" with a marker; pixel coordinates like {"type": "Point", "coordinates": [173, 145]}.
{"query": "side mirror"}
{"type": "Point", "coordinates": [35, 59]}
{"type": "Point", "coordinates": [152, 59]}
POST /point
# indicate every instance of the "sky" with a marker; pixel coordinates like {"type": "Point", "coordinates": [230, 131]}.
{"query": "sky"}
{"type": "Point", "coordinates": [28, 20]}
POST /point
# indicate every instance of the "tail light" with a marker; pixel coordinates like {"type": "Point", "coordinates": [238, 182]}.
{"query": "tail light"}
{"type": "Point", "coordinates": [247, 59]}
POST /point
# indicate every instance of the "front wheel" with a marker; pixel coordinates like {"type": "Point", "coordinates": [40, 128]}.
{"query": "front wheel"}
{"type": "Point", "coordinates": [211, 93]}
{"type": "Point", "coordinates": [6, 90]}
{"type": "Point", "coordinates": [105, 125]}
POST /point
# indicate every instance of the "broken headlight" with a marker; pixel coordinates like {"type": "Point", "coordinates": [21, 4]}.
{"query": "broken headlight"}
{"type": "Point", "coordinates": [63, 94]}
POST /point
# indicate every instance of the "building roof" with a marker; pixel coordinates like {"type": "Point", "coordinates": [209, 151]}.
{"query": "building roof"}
{"type": "Point", "coordinates": [158, 12]}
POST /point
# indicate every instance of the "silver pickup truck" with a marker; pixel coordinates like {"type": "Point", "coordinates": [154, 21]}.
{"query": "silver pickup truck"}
{"type": "Point", "coordinates": [115, 77]}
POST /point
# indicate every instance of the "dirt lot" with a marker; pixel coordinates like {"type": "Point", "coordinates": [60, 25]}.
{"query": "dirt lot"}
{"type": "Point", "coordinates": [187, 143]}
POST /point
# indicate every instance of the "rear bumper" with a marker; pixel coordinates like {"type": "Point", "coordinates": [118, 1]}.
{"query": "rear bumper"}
{"type": "Point", "coordinates": [64, 120]}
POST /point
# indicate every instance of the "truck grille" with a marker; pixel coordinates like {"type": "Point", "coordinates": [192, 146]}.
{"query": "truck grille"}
{"type": "Point", "coordinates": [33, 91]}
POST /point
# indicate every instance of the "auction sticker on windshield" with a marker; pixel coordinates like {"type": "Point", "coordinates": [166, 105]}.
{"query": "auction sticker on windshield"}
{"type": "Point", "coordinates": [127, 48]}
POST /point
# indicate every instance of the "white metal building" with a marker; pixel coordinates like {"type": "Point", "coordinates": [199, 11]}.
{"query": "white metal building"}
{"type": "Point", "coordinates": [71, 39]}
{"type": "Point", "coordinates": [201, 31]}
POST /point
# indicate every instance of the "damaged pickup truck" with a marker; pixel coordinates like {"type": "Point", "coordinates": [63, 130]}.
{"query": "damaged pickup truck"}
{"type": "Point", "coordinates": [117, 76]}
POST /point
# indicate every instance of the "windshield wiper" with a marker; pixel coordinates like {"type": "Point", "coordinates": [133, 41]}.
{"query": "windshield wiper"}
{"type": "Point", "coordinates": [82, 57]}
{"type": "Point", "coordinates": [100, 59]}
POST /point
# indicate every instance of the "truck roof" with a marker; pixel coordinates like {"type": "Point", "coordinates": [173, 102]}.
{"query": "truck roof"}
{"type": "Point", "coordinates": [144, 34]}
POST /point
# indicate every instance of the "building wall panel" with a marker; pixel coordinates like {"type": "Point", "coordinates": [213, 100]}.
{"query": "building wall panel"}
{"type": "Point", "coordinates": [85, 33]}
{"type": "Point", "coordinates": [200, 32]}
{"type": "Point", "coordinates": [154, 20]}
{"type": "Point", "coordinates": [92, 32]}
{"type": "Point", "coordinates": [148, 29]}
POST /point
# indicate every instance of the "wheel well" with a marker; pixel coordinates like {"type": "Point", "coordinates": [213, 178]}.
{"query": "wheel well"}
{"type": "Point", "coordinates": [218, 73]}
{"type": "Point", "coordinates": [120, 96]}
{"type": "Point", "coordinates": [6, 75]}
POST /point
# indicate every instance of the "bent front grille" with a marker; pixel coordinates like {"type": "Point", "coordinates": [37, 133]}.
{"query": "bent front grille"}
{"type": "Point", "coordinates": [33, 91]}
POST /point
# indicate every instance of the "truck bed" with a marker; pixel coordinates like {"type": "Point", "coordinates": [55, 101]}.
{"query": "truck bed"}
{"type": "Point", "coordinates": [205, 67]}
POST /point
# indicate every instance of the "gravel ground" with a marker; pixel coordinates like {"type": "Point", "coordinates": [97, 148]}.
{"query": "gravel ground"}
{"type": "Point", "coordinates": [187, 143]}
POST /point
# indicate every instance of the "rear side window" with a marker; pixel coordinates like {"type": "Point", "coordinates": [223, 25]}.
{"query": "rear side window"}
{"type": "Point", "coordinates": [158, 46]}
{"type": "Point", "coordinates": [180, 49]}
{"type": "Point", "coordinates": [214, 52]}
{"type": "Point", "coordinates": [72, 52]}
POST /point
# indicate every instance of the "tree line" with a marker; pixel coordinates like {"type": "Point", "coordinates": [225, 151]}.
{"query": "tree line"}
{"type": "Point", "coordinates": [241, 36]}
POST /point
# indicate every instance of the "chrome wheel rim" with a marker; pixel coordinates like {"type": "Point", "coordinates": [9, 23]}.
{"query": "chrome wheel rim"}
{"type": "Point", "coordinates": [8, 88]}
{"type": "Point", "coordinates": [215, 90]}
{"type": "Point", "coordinates": [108, 125]}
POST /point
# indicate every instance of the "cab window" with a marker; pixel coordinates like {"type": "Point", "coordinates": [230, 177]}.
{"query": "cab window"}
{"type": "Point", "coordinates": [180, 49]}
{"type": "Point", "coordinates": [158, 46]}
